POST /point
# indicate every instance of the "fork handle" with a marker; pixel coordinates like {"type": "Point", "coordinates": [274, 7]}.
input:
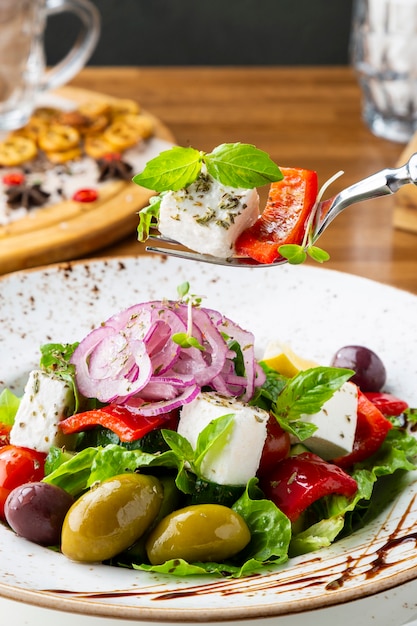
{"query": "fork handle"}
{"type": "Point", "coordinates": [383, 183]}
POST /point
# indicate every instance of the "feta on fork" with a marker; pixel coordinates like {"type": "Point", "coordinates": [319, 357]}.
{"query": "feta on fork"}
{"type": "Point", "coordinates": [207, 216]}
{"type": "Point", "coordinates": [45, 402]}
{"type": "Point", "coordinates": [238, 460]}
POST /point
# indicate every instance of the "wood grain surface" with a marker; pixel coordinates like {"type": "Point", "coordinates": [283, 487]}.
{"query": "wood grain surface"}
{"type": "Point", "coordinates": [309, 117]}
{"type": "Point", "coordinates": [72, 229]}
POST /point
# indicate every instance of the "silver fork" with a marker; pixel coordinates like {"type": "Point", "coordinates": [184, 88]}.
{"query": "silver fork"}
{"type": "Point", "coordinates": [383, 183]}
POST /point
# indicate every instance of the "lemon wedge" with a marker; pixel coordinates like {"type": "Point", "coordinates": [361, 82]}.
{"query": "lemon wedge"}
{"type": "Point", "coordinates": [280, 357]}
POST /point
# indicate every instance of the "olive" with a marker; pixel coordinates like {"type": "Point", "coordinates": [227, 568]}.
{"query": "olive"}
{"type": "Point", "coordinates": [200, 532]}
{"type": "Point", "coordinates": [36, 511]}
{"type": "Point", "coordinates": [136, 553]}
{"type": "Point", "coordinates": [110, 517]}
{"type": "Point", "coordinates": [370, 373]}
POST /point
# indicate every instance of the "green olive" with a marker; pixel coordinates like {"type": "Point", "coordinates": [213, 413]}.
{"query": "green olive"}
{"type": "Point", "coordinates": [200, 532]}
{"type": "Point", "coordinates": [110, 517]}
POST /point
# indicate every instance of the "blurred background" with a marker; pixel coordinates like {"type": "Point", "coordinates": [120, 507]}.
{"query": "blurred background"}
{"type": "Point", "coordinates": [214, 32]}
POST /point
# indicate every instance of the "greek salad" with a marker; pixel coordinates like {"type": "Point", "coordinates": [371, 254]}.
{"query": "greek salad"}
{"type": "Point", "coordinates": [159, 442]}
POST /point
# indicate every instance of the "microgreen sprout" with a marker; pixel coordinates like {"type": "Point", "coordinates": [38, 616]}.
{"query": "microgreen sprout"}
{"type": "Point", "coordinates": [297, 253]}
{"type": "Point", "coordinates": [186, 340]}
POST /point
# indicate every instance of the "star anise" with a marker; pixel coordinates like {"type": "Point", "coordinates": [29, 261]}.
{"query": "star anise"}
{"type": "Point", "coordinates": [112, 166]}
{"type": "Point", "coordinates": [26, 195]}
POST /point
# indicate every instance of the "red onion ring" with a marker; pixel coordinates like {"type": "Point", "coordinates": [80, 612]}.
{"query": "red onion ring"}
{"type": "Point", "coordinates": [133, 360]}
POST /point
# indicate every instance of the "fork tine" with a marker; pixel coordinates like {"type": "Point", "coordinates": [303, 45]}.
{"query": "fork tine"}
{"type": "Point", "coordinates": [213, 260]}
{"type": "Point", "coordinates": [163, 239]}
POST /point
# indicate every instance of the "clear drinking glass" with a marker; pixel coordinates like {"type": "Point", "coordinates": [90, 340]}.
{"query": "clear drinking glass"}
{"type": "Point", "coordinates": [384, 56]}
{"type": "Point", "coordinates": [23, 74]}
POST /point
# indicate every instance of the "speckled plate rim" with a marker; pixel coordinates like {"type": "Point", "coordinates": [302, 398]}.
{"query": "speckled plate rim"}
{"type": "Point", "coordinates": [379, 558]}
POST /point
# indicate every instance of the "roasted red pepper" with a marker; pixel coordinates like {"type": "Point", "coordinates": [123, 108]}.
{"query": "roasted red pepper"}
{"type": "Point", "coordinates": [284, 219]}
{"type": "Point", "coordinates": [127, 425]}
{"type": "Point", "coordinates": [276, 447]}
{"type": "Point", "coordinates": [298, 481]}
{"type": "Point", "coordinates": [371, 429]}
{"type": "Point", "coordinates": [389, 405]}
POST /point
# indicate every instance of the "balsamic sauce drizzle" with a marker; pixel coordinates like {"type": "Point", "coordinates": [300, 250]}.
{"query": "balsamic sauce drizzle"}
{"type": "Point", "coordinates": [366, 565]}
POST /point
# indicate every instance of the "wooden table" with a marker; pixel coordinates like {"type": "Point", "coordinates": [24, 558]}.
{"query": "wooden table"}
{"type": "Point", "coordinates": [309, 117]}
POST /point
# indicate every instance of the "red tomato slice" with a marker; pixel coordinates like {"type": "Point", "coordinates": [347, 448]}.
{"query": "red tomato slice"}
{"type": "Point", "coordinates": [18, 466]}
{"type": "Point", "coordinates": [13, 179]}
{"type": "Point", "coordinates": [284, 218]}
{"type": "Point", "coordinates": [85, 195]}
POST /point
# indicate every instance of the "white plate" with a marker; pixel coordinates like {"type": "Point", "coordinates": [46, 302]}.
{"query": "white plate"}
{"type": "Point", "coordinates": [316, 311]}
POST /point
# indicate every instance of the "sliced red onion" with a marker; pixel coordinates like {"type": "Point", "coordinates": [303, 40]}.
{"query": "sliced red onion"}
{"type": "Point", "coordinates": [156, 408]}
{"type": "Point", "coordinates": [132, 359]}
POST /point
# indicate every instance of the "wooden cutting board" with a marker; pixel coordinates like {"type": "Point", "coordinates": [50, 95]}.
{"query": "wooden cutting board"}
{"type": "Point", "coordinates": [71, 229]}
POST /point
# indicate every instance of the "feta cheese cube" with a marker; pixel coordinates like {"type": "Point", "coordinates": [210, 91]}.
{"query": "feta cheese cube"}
{"type": "Point", "coordinates": [45, 402]}
{"type": "Point", "coordinates": [336, 424]}
{"type": "Point", "coordinates": [237, 461]}
{"type": "Point", "coordinates": [207, 216]}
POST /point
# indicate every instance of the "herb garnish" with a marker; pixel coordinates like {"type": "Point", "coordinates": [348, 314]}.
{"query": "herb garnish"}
{"type": "Point", "coordinates": [186, 340]}
{"type": "Point", "coordinates": [234, 164]}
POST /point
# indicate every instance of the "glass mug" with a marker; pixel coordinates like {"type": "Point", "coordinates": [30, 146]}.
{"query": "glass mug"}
{"type": "Point", "coordinates": [383, 51]}
{"type": "Point", "coordinates": [23, 75]}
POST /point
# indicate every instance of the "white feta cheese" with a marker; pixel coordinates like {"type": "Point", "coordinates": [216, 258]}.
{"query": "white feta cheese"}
{"type": "Point", "coordinates": [237, 461]}
{"type": "Point", "coordinates": [45, 402]}
{"type": "Point", "coordinates": [207, 216]}
{"type": "Point", "coordinates": [336, 424]}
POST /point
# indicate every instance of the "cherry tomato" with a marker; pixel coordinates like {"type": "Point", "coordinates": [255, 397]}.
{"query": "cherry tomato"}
{"type": "Point", "coordinates": [18, 466]}
{"type": "Point", "coordinates": [85, 195]}
{"type": "Point", "coordinates": [276, 447]}
{"type": "Point", "coordinates": [13, 178]}
{"type": "Point", "coordinates": [389, 405]}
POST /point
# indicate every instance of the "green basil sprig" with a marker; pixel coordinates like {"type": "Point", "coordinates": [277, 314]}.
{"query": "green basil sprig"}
{"type": "Point", "coordinates": [233, 164]}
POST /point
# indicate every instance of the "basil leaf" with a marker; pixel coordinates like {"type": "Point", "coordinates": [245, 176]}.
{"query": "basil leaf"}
{"type": "Point", "coordinates": [212, 439]}
{"type": "Point", "coordinates": [178, 444]}
{"type": "Point", "coordinates": [309, 390]}
{"type": "Point", "coordinates": [171, 170]}
{"type": "Point", "coordinates": [241, 165]}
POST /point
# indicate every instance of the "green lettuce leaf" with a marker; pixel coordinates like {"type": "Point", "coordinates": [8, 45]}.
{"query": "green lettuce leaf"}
{"type": "Point", "coordinates": [9, 403]}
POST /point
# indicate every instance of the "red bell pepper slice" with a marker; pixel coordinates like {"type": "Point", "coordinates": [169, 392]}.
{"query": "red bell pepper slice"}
{"type": "Point", "coordinates": [126, 424]}
{"type": "Point", "coordinates": [389, 405]}
{"type": "Point", "coordinates": [298, 481]}
{"type": "Point", "coordinates": [284, 219]}
{"type": "Point", "coordinates": [276, 447]}
{"type": "Point", "coordinates": [371, 429]}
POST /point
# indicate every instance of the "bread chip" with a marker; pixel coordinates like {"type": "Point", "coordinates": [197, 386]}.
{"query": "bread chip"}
{"type": "Point", "coordinates": [15, 150]}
